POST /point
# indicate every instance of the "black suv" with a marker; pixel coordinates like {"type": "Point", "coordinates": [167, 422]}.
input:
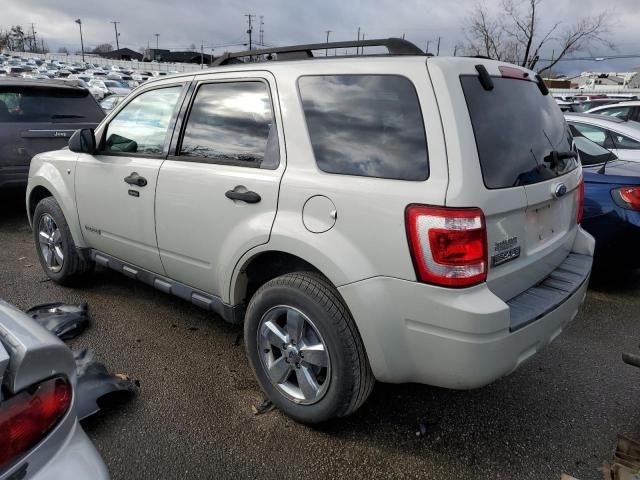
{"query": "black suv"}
{"type": "Point", "coordinates": [37, 116]}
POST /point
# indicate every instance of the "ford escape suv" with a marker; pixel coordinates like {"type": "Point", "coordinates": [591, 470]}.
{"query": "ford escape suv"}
{"type": "Point", "coordinates": [394, 217]}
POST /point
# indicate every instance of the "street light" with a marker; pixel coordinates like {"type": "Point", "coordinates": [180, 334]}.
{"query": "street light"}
{"type": "Point", "coordinates": [79, 22]}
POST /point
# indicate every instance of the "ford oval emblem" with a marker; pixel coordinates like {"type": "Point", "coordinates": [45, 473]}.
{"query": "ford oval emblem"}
{"type": "Point", "coordinates": [561, 190]}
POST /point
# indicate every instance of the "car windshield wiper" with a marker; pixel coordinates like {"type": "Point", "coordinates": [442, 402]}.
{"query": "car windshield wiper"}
{"type": "Point", "coordinates": [67, 116]}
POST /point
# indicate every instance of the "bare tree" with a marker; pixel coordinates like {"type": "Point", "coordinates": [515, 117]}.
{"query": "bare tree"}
{"type": "Point", "coordinates": [518, 35]}
{"type": "Point", "coordinates": [103, 48]}
{"type": "Point", "coordinates": [63, 50]}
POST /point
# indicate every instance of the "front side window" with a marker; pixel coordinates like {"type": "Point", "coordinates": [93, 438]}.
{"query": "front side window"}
{"type": "Point", "coordinates": [595, 134]}
{"type": "Point", "coordinates": [590, 153]}
{"type": "Point", "coordinates": [365, 125]}
{"type": "Point", "coordinates": [142, 125]}
{"type": "Point", "coordinates": [232, 123]}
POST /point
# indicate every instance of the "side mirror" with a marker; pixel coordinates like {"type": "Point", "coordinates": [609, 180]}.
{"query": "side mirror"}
{"type": "Point", "coordinates": [83, 141]}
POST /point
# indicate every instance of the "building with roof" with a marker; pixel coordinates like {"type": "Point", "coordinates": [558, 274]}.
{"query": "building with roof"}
{"type": "Point", "coordinates": [122, 54]}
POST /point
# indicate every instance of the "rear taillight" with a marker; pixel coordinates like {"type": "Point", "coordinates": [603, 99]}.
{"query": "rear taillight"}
{"type": "Point", "coordinates": [627, 197]}
{"type": "Point", "coordinates": [580, 202]}
{"type": "Point", "coordinates": [448, 245]}
{"type": "Point", "coordinates": [28, 417]}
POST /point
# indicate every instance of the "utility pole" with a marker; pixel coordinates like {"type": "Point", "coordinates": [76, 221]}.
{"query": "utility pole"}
{"type": "Point", "coordinates": [79, 22]}
{"type": "Point", "coordinates": [427, 49]}
{"type": "Point", "coordinates": [115, 26]}
{"type": "Point", "coordinates": [326, 50]}
{"type": "Point", "coordinates": [455, 50]}
{"type": "Point", "coordinates": [201, 55]}
{"type": "Point", "coordinates": [157, 35]}
{"type": "Point", "coordinates": [250, 31]}
{"type": "Point", "coordinates": [261, 31]}
{"type": "Point", "coordinates": [358, 48]}
{"type": "Point", "coordinates": [438, 49]}
{"type": "Point", "coordinates": [35, 44]}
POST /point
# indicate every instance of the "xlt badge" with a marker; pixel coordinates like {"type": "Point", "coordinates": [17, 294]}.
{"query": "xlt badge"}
{"type": "Point", "coordinates": [93, 229]}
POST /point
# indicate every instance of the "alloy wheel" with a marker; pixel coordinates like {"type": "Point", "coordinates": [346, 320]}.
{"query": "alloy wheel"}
{"type": "Point", "coordinates": [50, 240]}
{"type": "Point", "coordinates": [294, 355]}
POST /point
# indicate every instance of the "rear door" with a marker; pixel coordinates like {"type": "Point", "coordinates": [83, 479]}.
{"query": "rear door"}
{"type": "Point", "coordinates": [38, 119]}
{"type": "Point", "coordinates": [527, 183]}
{"type": "Point", "coordinates": [217, 195]}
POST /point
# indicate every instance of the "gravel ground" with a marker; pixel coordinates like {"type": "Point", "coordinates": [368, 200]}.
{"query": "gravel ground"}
{"type": "Point", "coordinates": [192, 416]}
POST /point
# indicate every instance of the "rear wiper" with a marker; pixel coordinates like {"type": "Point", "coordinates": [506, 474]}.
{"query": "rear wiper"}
{"type": "Point", "coordinates": [66, 116]}
{"type": "Point", "coordinates": [555, 156]}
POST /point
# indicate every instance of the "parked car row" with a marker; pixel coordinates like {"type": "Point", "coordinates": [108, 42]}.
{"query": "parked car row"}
{"type": "Point", "coordinates": [585, 103]}
{"type": "Point", "coordinates": [101, 80]}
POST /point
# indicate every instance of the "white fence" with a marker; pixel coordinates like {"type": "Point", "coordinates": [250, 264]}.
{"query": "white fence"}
{"type": "Point", "coordinates": [132, 64]}
{"type": "Point", "coordinates": [599, 91]}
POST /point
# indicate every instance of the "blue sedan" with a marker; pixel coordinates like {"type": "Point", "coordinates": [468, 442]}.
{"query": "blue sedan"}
{"type": "Point", "coordinates": [611, 204]}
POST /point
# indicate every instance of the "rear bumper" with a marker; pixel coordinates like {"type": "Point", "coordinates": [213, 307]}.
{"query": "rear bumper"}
{"type": "Point", "coordinates": [77, 459]}
{"type": "Point", "coordinates": [450, 338]}
{"type": "Point", "coordinates": [14, 176]}
{"type": "Point", "coordinates": [73, 457]}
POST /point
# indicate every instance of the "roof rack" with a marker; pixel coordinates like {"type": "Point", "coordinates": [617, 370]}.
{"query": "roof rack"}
{"type": "Point", "coordinates": [395, 46]}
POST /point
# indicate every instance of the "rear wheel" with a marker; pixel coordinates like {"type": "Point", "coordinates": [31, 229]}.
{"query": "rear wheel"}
{"type": "Point", "coordinates": [305, 349]}
{"type": "Point", "coordinates": [56, 250]}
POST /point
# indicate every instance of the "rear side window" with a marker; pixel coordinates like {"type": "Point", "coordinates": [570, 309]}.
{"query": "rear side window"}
{"type": "Point", "coordinates": [516, 129]}
{"type": "Point", "coordinates": [619, 112]}
{"type": "Point", "coordinates": [365, 125]}
{"type": "Point", "coordinates": [232, 123]}
{"type": "Point", "coordinates": [624, 142]}
{"type": "Point", "coordinates": [48, 105]}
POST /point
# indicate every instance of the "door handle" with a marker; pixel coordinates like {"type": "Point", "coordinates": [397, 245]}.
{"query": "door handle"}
{"type": "Point", "coordinates": [135, 179]}
{"type": "Point", "coordinates": [237, 194]}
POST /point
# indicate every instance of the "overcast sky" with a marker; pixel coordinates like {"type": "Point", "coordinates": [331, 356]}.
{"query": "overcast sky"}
{"type": "Point", "coordinates": [222, 22]}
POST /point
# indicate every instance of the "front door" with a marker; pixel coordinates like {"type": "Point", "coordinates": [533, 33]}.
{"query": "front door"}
{"type": "Point", "coordinates": [115, 188]}
{"type": "Point", "coordinates": [217, 196]}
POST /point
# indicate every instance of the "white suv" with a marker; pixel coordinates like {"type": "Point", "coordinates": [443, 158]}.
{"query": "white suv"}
{"type": "Point", "coordinates": [394, 217]}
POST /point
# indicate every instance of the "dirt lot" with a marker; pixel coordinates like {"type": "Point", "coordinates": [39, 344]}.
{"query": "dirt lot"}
{"type": "Point", "coordinates": [192, 417]}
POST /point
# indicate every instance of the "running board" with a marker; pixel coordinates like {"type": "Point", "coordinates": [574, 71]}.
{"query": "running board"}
{"type": "Point", "coordinates": [230, 313]}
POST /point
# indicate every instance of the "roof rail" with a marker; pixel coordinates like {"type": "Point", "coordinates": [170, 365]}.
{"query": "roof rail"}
{"type": "Point", "coordinates": [395, 46]}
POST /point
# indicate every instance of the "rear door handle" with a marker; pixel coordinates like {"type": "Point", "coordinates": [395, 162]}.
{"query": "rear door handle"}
{"type": "Point", "coordinates": [237, 194]}
{"type": "Point", "coordinates": [135, 179]}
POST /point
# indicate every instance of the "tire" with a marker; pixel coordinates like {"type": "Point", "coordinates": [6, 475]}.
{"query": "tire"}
{"type": "Point", "coordinates": [344, 383]}
{"type": "Point", "coordinates": [69, 267]}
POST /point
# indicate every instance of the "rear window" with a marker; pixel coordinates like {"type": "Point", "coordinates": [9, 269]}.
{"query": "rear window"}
{"type": "Point", "coordinates": [365, 125]}
{"type": "Point", "coordinates": [516, 129]}
{"type": "Point", "coordinates": [24, 105]}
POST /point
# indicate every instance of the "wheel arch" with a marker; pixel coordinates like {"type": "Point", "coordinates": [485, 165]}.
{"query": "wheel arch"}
{"type": "Point", "coordinates": [45, 186]}
{"type": "Point", "coordinates": [257, 269]}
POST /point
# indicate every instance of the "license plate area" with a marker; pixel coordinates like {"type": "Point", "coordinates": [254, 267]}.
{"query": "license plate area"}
{"type": "Point", "coordinates": [548, 222]}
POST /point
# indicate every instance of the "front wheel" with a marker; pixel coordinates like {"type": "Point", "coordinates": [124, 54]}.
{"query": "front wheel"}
{"type": "Point", "coordinates": [56, 250]}
{"type": "Point", "coordinates": [305, 349]}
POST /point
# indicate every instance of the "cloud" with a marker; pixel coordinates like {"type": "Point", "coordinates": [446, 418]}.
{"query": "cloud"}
{"type": "Point", "coordinates": [222, 24]}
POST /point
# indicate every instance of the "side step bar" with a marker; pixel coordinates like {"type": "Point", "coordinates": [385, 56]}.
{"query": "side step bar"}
{"type": "Point", "coordinates": [230, 313]}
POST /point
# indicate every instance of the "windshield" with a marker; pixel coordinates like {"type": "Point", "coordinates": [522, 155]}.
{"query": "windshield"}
{"type": "Point", "coordinates": [517, 131]}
